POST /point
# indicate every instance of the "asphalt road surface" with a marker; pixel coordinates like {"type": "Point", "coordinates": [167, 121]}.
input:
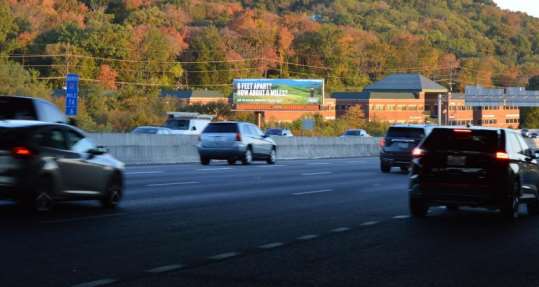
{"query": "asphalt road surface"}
{"type": "Point", "coordinates": [298, 223]}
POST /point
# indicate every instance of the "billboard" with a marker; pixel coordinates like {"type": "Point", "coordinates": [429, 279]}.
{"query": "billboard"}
{"type": "Point", "coordinates": [512, 96]}
{"type": "Point", "coordinates": [278, 91]}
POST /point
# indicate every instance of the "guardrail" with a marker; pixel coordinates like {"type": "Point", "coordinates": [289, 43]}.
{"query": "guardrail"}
{"type": "Point", "coordinates": [166, 149]}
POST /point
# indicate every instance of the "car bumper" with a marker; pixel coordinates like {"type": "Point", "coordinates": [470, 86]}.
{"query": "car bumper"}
{"type": "Point", "coordinates": [402, 160]}
{"type": "Point", "coordinates": [473, 195]}
{"type": "Point", "coordinates": [222, 152]}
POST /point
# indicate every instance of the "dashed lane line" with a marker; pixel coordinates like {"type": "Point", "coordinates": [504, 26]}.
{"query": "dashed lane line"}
{"type": "Point", "coordinates": [271, 245]}
{"type": "Point", "coordinates": [369, 223]}
{"type": "Point", "coordinates": [96, 283]}
{"type": "Point", "coordinates": [316, 173]}
{"type": "Point", "coordinates": [171, 183]}
{"type": "Point", "coordinates": [223, 256]}
{"type": "Point", "coordinates": [312, 192]}
{"type": "Point", "coordinates": [401, 216]}
{"type": "Point", "coordinates": [143, 172]}
{"type": "Point", "coordinates": [308, 237]}
{"type": "Point", "coordinates": [340, 229]}
{"type": "Point", "coordinates": [166, 268]}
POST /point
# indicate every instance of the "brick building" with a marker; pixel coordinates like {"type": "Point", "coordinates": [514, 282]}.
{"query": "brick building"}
{"type": "Point", "coordinates": [412, 98]}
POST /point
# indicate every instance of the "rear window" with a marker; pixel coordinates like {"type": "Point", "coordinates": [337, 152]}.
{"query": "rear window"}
{"type": "Point", "coordinates": [353, 133]}
{"type": "Point", "coordinates": [177, 124]}
{"type": "Point", "coordinates": [462, 140]}
{"type": "Point", "coordinates": [10, 137]}
{"type": "Point", "coordinates": [17, 109]}
{"type": "Point", "coordinates": [221, 128]}
{"type": "Point", "coordinates": [145, 131]}
{"type": "Point", "coordinates": [396, 132]}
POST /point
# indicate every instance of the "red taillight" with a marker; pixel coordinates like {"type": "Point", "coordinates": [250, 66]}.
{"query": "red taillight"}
{"type": "Point", "coordinates": [417, 152]}
{"type": "Point", "coordinates": [238, 137]}
{"type": "Point", "coordinates": [382, 142]}
{"type": "Point", "coordinates": [502, 155]}
{"type": "Point", "coordinates": [20, 151]}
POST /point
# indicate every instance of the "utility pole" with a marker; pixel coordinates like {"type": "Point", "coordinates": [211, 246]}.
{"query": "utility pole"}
{"type": "Point", "coordinates": [439, 109]}
{"type": "Point", "coordinates": [67, 58]}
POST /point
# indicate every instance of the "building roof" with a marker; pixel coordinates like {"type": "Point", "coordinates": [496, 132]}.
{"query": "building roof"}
{"type": "Point", "coordinates": [187, 94]}
{"type": "Point", "coordinates": [406, 82]}
{"type": "Point", "coordinates": [374, 95]}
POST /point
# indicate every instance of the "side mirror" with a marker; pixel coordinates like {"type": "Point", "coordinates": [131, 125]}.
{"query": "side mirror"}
{"type": "Point", "coordinates": [265, 136]}
{"type": "Point", "coordinates": [194, 128]}
{"type": "Point", "coordinates": [100, 150]}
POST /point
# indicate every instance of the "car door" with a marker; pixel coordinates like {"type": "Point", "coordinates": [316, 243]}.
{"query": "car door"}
{"type": "Point", "coordinates": [90, 170]}
{"type": "Point", "coordinates": [252, 138]}
{"type": "Point", "coordinates": [519, 158]}
{"type": "Point", "coordinates": [532, 165]}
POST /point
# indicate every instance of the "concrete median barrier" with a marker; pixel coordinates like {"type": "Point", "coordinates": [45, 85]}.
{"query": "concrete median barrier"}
{"type": "Point", "coordinates": [165, 149]}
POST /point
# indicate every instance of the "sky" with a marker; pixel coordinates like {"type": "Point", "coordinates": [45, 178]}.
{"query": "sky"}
{"type": "Point", "coordinates": [527, 6]}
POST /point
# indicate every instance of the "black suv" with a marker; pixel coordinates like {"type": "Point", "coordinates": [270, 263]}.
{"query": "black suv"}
{"type": "Point", "coordinates": [26, 108]}
{"type": "Point", "coordinates": [397, 145]}
{"type": "Point", "coordinates": [477, 167]}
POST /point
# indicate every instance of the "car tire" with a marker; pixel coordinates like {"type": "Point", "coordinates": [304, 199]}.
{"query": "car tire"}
{"type": "Point", "coordinates": [231, 161]}
{"type": "Point", "coordinates": [42, 200]}
{"type": "Point", "coordinates": [272, 157]}
{"type": "Point", "coordinates": [247, 157]}
{"type": "Point", "coordinates": [385, 168]}
{"type": "Point", "coordinates": [418, 208]}
{"type": "Point", "coordinates": [204, 161]}
{"type": "Point", "coordinates": [509, 209]}
{"type": "Point", "coordinates": [113, 195]}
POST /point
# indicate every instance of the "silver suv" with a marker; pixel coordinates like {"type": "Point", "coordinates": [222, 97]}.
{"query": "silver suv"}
{"type": "Point", "coordinates": [233, 141]}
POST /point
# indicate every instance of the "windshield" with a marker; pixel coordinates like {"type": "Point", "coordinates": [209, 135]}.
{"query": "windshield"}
{"type": "Point", "coordinates": [221, 128]}
{"type": "Point", "coordinates": [176, 124]}
{"type": "Point", "coordinates": [353, 133]}
{"type": "Point", "coordinates": [146, 131]}
{"type": "Point", "coordinates": [414, 133]}
{"type": "Point", "coordinates": [17, 109]}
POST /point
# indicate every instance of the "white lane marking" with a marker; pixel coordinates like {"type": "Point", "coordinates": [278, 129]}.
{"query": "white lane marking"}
{"type": "Point", "coordinates": [369, 223]}
{"type": "Point", "coordinates": [165, 268]}
{"type": "Point", "coordinates": [307, 237]}
{"type": "Point", "coordinates": [172, 183]}
{"type": "Point", "coordinates": [81, 218]}
{"type": "Point", "coordinates": [312, 192]}
{"type": "Point", "coordinates": [214, 169]}
{"type": "Point", "coordinates": [96, 283]}
{"type": "Point", "coordinates": [142, 172]}
{"type": "Point", "coordinates": [340, 229]}
{"type": "Point", "coordinates": [271, 165]}
{"type": "Point", "coordinates": [401, 216]}
{"type": "Point", "coordinates": [224, 256]}
{"type": "Point", "coordinates": [318, 163]}
{"type": "Point", "coordinates": [271, 245]}
{"type": "Point", "coordinates": [316, 173]}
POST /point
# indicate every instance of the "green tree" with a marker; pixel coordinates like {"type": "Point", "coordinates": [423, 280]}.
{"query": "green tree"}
{"type": "Point", "coordinates": [530, 116]}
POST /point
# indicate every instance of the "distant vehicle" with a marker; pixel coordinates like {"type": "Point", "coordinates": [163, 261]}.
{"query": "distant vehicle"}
{"type": "Point", "coordinates": [152, 130]}
{"type": "Point", "coordinates": [398, 143]}
{"type": "Point", "coordinates": [356, 133]}
{"type": "Point", "coordinates": [187, 123]}
{"type": "Point", "coordinates": [41, 163]}
{"type": "Point", "coordinates": [280, 132]}
{"type": "Point", "coordinates": [534, 135]}
{"type": "Point", "coordinates": [477, 167]}
{"type": "Point", "coordinates": [233, 141]}
{"type": "Point", "coordinates": [525, 133]}
{"type": "Point", "coordinates": [26, 108]}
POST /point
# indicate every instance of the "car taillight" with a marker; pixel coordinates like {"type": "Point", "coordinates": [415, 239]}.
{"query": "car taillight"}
{"type": "Point", "coordinates": [502, 155]}
{"type": "Point", "coordinates": [417, 152]}
{"type": "Point", "coordinates": [382, 142]}
{"type": "Point", "coordinates": [238, 137]}
{"type": "Point", "coordinates": [21, 151]}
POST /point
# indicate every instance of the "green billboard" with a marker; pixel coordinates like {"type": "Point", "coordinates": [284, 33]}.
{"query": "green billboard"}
{"type": "Point", "coordinates": [278, 91]}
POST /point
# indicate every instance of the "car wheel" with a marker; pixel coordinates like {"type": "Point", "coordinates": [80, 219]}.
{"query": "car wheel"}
{"type": "Point", "coordinates": [204, 160]}
{"type": "Point", "coordinates": [42, 200]}
{"type": "Point", "coordinates": [272, 157]}
{"type": "Point", "coordinates": [113, 195]}
{"type": "Point", "coordinates": [247, 157]}
{"type": "Point", "coordinates": [231, 161]}
{"type": "Point", "coordinates": [510, 208]}
{"type": "Point", "coordinates": [418, 208]}
{"type": "Point", "coordinates": [384, 167]}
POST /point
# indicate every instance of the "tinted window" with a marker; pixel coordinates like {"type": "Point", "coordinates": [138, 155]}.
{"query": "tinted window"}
{"type": "Point", "coordinates": [146, 131]}
{"type": "Point", "coordinates": [49, 113]}
{"type": "Point", "coordinates": [176, 124]}
{"type": "Point", "coordinates": [275, 132]}
{"type": "Point", "coordinates": [462, 140]}
{"type": "Point", "coordinates": [11, 137]}
{"type": "Point", "coordinates": [353, 133]}
{"type": "Point", "coordinates": [221, 128]}
{"type": "Point", "coordinates": [513, 146]}
{"type": "Point", "coordinates": [78, 143]}
{"type": "Point", "coordinates": [17, 109]}
{"type": "Point", "coordinates": [396, 132]}
{"type": "Point", "coordinates": [51, 138]}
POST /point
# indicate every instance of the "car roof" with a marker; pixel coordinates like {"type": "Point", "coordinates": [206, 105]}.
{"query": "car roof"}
{"type": "Point", "coordinates": [22, 123]}
{"type": "Point", "coordinates": [412, 126]}
{"type": "Point", "coordinates": [152, 127]}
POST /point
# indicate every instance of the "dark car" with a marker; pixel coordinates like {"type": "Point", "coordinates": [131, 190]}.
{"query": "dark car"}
{"type": "Point", "coordinates": [41, 163]}
{"type": "Point", "coordinates": [477, 167]}
{"type": "Point", "coordinates": [280, 132]}
{"type": "Point", "coordinates": [233, 141]}
{"type": "Point", "coordinates": [398, 143]}
{"type": "Point", "coordinates": [26, 108]}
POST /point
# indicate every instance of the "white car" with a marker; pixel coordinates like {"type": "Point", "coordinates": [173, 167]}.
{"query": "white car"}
{"type": "Point", "coordinates": [152, 130]}
{"type": "Point", "coordinates": [185, 123]}
{"type": "Point", "coordinates": [355, 133]}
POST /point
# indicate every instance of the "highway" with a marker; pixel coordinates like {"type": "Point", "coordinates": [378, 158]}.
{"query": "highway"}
{"type": "Point", "coordinates": [337, 222]}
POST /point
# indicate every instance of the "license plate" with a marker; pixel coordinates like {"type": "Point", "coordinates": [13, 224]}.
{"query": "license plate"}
{"type": "Point", "coordinates": [403, 145]}
{"type": "Point", "coordinates": [453, 160]}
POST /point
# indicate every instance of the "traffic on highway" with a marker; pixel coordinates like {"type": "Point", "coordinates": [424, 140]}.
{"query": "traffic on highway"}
{"type": "Point", "coordinates": [197, 224]}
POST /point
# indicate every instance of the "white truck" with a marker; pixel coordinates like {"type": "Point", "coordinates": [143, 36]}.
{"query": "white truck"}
{"type": "Point", "coordinates": [184, 123]}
